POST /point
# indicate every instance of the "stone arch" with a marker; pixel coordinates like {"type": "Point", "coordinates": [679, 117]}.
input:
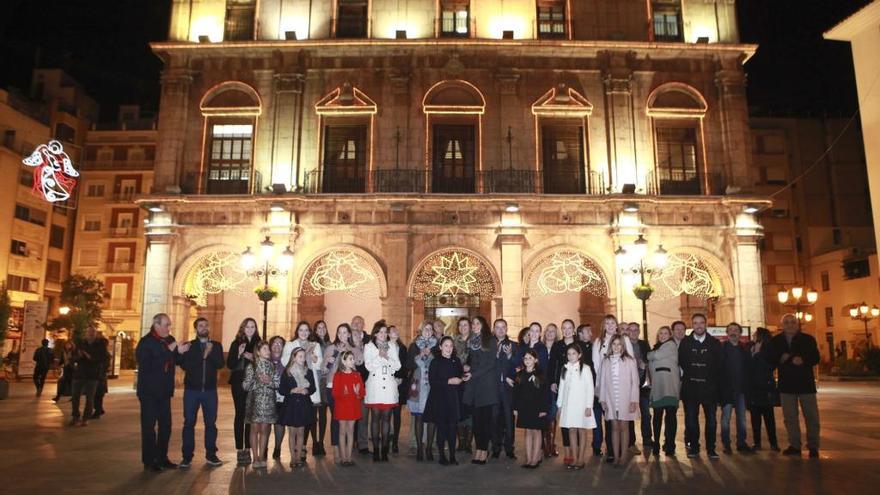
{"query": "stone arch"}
{"type": "Point", "coordinates": [676, 99]}
{"type": "Point", "coordinates": [454, 96]}
{"type": "Point", "coordinates": [541, 258]}
{"type": "Point", "coordinates": [486, 267]}
{"type": "Point", "coordinates": [361, 254]}
{"type": "Point", "coordinates": [719, 272]}
{"type": "Point", "coordinates": [231, 98]}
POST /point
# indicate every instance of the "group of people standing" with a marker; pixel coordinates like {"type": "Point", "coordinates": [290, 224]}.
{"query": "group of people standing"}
{"type": "Point", "coordinates": [471, 390]}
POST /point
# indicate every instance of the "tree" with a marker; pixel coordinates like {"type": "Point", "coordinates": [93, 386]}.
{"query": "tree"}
{"type": "Point", "coordinates": [84, 296]}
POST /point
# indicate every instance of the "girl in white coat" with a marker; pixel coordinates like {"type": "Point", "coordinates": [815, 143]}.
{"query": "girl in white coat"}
{"type": "Point", "coordinates": [304, 338]}
{"type": "Point", "coordinates": [382, 359]}
{"type": "Point", "coordinates": [575, 403]}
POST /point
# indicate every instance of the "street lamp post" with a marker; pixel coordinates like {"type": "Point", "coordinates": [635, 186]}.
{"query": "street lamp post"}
{"type": "Point", "coordinates": [269, 267]}
{"type": "Point", "coordinates": [864, 314]}
{"type": "Point", "coordinates": [800, 299]}
{"type": "Point", "coordinates": [633, 260]}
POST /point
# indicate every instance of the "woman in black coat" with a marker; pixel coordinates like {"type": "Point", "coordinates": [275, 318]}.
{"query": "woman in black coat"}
{"type": "Point", "coordinates": [402, 377]}
{"type": "Point", "coordinates": [531, 393]}
{"type": "Point", "coordinates": [443, 407]}
{"type": "Point", "coordinates": [482, 390]}
{"type": "Point", "coordinates": [241, 354]}
{"type": "Point", "coordinates": [763, 395]}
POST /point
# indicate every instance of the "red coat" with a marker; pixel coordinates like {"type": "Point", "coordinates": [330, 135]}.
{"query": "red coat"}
{"type": "Point", "coordinates": [347, 402]}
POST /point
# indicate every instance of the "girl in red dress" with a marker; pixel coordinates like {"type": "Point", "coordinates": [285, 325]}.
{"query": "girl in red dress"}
{"type": "Point", "coordinates": [348, 392]}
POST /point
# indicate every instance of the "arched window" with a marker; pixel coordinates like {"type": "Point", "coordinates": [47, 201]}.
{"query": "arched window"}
{"type": "Point", "coordinates": [230, 110]}
{"type": "Point", "coordinates": [453, 119]}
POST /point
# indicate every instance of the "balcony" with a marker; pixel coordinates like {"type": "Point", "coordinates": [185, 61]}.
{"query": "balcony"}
{"type": "Point", "coordinates": [118, 165]}
{"type": "Point", "coordinates": [118, 304]}
{"type": "Point", "coordinates": [121, 232]}
{"type": "Point", "coordinates": [119, 267]}
{"type": "Point", "coordinates": [684, 183]}
{"type": "Point", "coordinates": [190, 185]}
{"type": "Point", "coordinates": [124, 197]}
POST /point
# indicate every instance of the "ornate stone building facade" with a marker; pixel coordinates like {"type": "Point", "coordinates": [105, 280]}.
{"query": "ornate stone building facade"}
{"type": "Point", "coordinates": [432, 158]}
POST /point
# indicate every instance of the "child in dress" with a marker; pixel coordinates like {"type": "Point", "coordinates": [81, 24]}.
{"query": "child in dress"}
{"type": "Point", "coordinates": [348, 393]}
{"type": "Point", "coordinates": [531, 400]}
{"type": "Point", "coordinates": [297, 384]}
{"type": "Point", "coordinates": [575, 402]}
{"type": "Point", "coordinates": [260, 381]}
{"type": "Point", "coordinates": [619, 394]}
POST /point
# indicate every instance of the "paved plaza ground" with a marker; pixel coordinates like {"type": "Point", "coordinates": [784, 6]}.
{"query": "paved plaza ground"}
{"type": "Point", "coordinates": [39, 454]}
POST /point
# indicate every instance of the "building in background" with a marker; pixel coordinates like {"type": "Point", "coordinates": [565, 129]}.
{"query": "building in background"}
{"type": "Point", "coordinates": [435, 159]}
{"type": "Point", "coordinates": [109, 243]}
{"type": "Point", "coordinates": [819, 232]}
{"type": "Point", "coordinates": [35, 235]}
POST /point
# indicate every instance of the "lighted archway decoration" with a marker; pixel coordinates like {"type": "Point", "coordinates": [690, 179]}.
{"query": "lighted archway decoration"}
{"type": "Point", "coordinates": [231, 98]}
{"type": "Point", "coordinates": [562, 101]}
{"type": "Point", "coordinates": [676, 100]}
{"type": "Point", "coordinates": [567, 270]}
{"type": "Point", "coordinates": [213, 273]}
{"type": "Point", "coordinates": [686, 273]}
{"type": "Point", "coordinates": [341, 270]}
{"type": "Point", "coordinates": [453, 272]}
{"type": "Point", "coordinates": [346, 100]}
{"type": "Point", "coordinates": [454, 97]}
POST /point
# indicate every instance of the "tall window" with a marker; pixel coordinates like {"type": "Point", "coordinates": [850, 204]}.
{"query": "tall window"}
{"type": "Point", "coordinates": [229, 160]}
{"type": "Point", "coordinates": [677, 160]}
{"type": "Point", "coordinates": [345, 159]}
{"type": "Point", "coordinates": [455, 18]}
{"type": "Point", "coordinates": [351, 19]}
{"type": "Point", "coordinates": [563, 153]}
{"type": "Point", "coordinates": [454, 159]}
{"type": "Point", "coordinates": [551, 18]}
{"type": "Point", "coordinates": [667, 20]}
{"type": "Point", "coordinates": [240, 20]}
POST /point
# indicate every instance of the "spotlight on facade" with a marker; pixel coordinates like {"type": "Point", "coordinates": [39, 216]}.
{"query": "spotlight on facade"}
{"type": "Point", "coordinates": [64, 310]}
{"type": "Point", "coordinates": [400, 34]}
{"type": "Point", "coordinates": [511, 208]}
{"type": "Point", "coordinates": [204, 38]}
{"type": "Point", "coordinates": [290, 35]}
{"type": "Point", "coordinates": [156, 208]}
{"type": "Point", "coordinates": [507, 34]}
{"type": "Point", "coordinates": [703, 40]}
{"type": "Point", "coordinates": [750, 209]}
{"type": "Point", "coordinates": [630, 207]}
{"type": "Point", "coordinates": [279, 188]}
{"type": "Point", "coordinates": [629, 189]}
{"type": "Point", "coordinates": [276, 207]}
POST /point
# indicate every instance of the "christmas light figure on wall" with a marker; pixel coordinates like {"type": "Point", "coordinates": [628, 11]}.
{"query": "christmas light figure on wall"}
{"type": "Point", "coordinates": [340, 271]}
{"type": "Point", "coordinates": [686, 273]}
{"type": "Point", "coordinates": [54, 175]}
{"type": "Point", "coordinates": [454, 274]}
{"type": "Point", "coordinates": [568, 271]}
{"type": "Point", "coordinates": [213, 274]}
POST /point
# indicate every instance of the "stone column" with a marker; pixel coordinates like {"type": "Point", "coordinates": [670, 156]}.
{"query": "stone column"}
{"type": "Point", "coordinates": [394, 307]}
{"type": "Point", "coordinates": [511, 241]}
{"type": "Point", "coordinates": [158, 270]}
{"type": "Point", "coordinates": [748, 279]}
{"type": "Point", "coordinates": [734, 120]}
{"type": "Point", "coordinates": [288, 89]}
{"type": "Point", "coordinates": [620, 122]}
{"type": "Point", "coordinates": [173, 116]}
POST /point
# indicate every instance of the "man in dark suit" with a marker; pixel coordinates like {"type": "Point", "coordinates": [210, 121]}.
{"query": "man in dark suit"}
{"type": "Point", "coordinates": [796, 353]}
{"type": "Point", "coordinates": [702, 361]}
{"type": "Point", "coordinates": [42, 361]}
{"type": "Point", "coordinates": [155, 387]}
{"type": "Point", "coordinates": [505, 357]}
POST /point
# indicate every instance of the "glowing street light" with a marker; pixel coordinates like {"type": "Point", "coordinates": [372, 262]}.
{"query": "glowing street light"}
{"type": "Point", "coordinates": [798, 297]}
{"type": "Point", "coordinates": [634, 260]}
{"type": "Point", "coordinates": [865, 314]}
{"type": "Point", "coordinates": [269, 266]}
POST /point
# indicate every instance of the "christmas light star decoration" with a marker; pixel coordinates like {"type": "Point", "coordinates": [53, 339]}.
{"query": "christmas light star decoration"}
{"type": "Point", "coordinates": [340, 271]}
{"type": "Point", "coordinates": [686, 273]}
{"type": "Point", "coordinates": [568, 271]}
{"type": "Point", "coordinates": [454, 274]}
{"type": "Point", "coordinates": [212, 274]}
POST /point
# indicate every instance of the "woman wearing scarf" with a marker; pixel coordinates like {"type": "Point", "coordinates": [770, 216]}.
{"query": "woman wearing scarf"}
{"type": "Point", "coordinates": [464, 342]}
{"type": "Point", "coordinates": [382, 360]}
{"type": "Point", "coordinates": [421, 353]}
{"type": "Point", "coordinates": [298, 413]}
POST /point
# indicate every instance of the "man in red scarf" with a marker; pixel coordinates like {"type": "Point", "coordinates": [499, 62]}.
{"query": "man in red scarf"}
{"type": "Point", "coordinates": [155, 387]}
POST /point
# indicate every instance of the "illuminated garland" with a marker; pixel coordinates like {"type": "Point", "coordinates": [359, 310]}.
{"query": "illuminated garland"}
{"type": "Point", "coordinates": [212, 274]}
{"type": "Point", "coordinates": [54, 175]}
{"type": "Point", "coordinates": [686, 274]}
{"type": "Point", "coordinates": [454, 272]}
{"type": "Point", "coordinates": [340, 271]}
{"type": "Point", "coordinates": [568, 271]}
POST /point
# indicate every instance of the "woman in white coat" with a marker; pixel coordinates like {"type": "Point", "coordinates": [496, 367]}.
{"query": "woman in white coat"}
{"type": "Point", "coordinates": [382, 360]}
{"type": "Point", "coordinates": [304, 337]}
{"type": "Point", "coordinates": [575, 402]}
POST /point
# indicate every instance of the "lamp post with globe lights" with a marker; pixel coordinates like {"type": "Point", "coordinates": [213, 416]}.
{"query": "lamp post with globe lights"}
{"type": "Point", "coordinates": [865, 314]}
{"type": "Point", "coordinates": [634, 260]}
{"type": "Point", "coordinates": [270, 263]}
{"type": "Point", "coordinates": [800, 299]}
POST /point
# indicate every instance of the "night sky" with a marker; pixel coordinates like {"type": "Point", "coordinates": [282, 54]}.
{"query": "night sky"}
{"type": "Point", "coordinates": [103, 44]}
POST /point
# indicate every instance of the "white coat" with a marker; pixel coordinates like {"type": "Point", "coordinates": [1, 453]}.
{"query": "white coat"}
{"type": "Point", "coordinates": [575, 396]}
{"type": "Point", "coordinates": [381, 385]}
{"type": "Point", "coordinates": [315, 366]}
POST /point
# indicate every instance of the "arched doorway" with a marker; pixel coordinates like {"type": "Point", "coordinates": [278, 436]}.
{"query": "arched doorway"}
{"type": "Point", "coordinates": [452, 283]}
{"type": "Point", "coordinates": [339, 283]}
{"type": "Point", "coordinates": [566, 283]}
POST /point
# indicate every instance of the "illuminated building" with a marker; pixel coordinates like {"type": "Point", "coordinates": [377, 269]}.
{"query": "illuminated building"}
{"type": "Point", "coordinates": [465, 157]}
